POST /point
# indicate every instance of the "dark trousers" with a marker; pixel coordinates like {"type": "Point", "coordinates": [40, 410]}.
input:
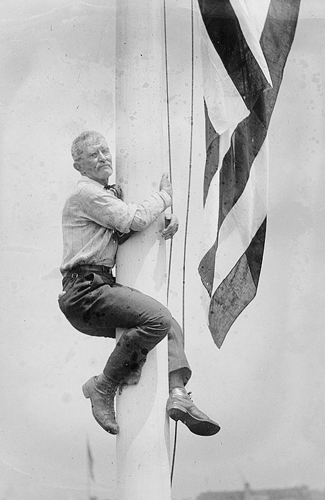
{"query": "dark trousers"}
{"type": "Point", "coordinates": [96, 305]}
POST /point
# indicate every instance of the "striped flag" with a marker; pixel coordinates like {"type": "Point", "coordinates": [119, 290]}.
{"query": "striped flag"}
{"type": "Point", "coordinates": [251, 41]}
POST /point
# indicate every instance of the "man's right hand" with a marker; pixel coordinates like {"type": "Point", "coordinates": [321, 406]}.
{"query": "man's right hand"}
{"type": "Point", "coordinates": [165, 184]}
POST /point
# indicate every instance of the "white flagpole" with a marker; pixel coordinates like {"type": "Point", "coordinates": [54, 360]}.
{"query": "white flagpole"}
{"type": "Point", "coordinates": [143, 468]}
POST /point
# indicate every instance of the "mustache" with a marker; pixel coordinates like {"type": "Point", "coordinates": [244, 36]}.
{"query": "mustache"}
{"type": "Point", "coordinates": [105, 163]}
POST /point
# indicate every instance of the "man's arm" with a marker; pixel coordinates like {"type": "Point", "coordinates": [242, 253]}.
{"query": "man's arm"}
{"type": "Point", "coordinates": [171, 227]}
{"type": "Point", "coordinates": [171, 221]}
{"type": "Point", "coordinates": [104, 208]}
{"type": "Point", "coordinates": [148, 211]}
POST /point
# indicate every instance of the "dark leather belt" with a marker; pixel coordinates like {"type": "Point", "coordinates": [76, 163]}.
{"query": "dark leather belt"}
{"type": "Point", "coordinates": [91, 268]}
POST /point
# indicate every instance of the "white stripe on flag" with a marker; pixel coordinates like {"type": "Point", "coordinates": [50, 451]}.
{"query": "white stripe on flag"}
{"type": "Point", "coordinates": [211, 209]}
{"type": "Point", "coordinates": [257, 11]}
{"type": "Point", "coordinates": [251, 34]}
{"type": "Point", "coordinates": [225, 105]}
{"type": "Point", "coordinates": [244, 219]}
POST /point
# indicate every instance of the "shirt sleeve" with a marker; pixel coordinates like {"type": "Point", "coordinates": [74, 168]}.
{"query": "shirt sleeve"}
{"type": "Point", "coordinates": [104, 208]}
{"type": "Point", "coordinates": [150, 209]}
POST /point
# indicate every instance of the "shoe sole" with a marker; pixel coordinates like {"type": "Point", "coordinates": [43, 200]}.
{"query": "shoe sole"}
{"type": "Point", "coordinates": [86, 393]}
{"type": "Point", "coordinates": [199, 427]}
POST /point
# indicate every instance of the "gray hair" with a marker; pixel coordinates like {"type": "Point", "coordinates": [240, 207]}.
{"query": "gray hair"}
{"type": "Point", "coordinates": [78, 145]}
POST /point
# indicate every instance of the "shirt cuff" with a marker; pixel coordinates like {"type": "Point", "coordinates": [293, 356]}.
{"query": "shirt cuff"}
{"type": "Point", "coordinates": [167, 199]}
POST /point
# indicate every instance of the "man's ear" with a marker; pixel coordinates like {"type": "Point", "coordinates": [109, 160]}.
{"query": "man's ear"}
{"type": "Point", "coordinates": [77, 166]}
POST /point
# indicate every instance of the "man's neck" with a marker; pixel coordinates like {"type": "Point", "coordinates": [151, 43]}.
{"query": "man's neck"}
{"type": "Point", "coordinates": [100, 181]}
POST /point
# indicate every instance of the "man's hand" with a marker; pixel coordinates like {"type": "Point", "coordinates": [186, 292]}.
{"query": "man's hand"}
{"type": "Point", "coordinates": [171, 226]}
{"type": "Point", "coordinates": [117, 190]}
{"type": "Point", "coordinates": [165, 184]}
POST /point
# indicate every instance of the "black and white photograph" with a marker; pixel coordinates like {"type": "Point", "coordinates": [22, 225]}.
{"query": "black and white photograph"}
{"type": "Point", "coordinates": [162, 177]}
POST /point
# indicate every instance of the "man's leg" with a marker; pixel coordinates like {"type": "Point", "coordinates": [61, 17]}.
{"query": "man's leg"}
{"type": "Point", "coordinates": [97, 306]}
{"type": "Point", "coordinates": [179, 404]}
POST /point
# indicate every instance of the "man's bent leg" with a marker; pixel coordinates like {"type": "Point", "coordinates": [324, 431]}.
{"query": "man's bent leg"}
{"type": "Point", "coordinates": [179, 404]}
{"type": "Point", "coordinates": [103, 307]}
{"type": "Point", "coordinates": [127, 359]}
{"type": "Point", "coordinates": [154, 323]}
{"type": "Point", "coordinates": [177, 360]}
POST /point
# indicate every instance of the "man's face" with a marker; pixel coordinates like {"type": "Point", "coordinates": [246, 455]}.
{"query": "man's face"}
{"type": "Point", "coordinates": [95, 161]}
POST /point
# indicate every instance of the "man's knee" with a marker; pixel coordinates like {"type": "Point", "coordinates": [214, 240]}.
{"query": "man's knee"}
{"type": "Point", "coordinates": [161, 322]}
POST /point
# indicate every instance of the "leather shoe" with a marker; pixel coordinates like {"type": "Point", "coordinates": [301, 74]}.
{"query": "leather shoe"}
{"type": "Point", "coordinates": [101, 392]}
{"type": "Point", "coordinates": [181, 407]}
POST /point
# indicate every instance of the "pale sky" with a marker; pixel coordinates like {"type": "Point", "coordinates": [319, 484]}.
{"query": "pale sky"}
{"type": "Point", "coordinates": [265, 386]}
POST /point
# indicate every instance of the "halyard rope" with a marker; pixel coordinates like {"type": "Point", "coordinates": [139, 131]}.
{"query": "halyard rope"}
{"type": "Point", "coordinates": [189, 169]}
{"type": "Point", "coordinates": [188, 187]}
{"type": "Point", "coordinates": [169, 145]}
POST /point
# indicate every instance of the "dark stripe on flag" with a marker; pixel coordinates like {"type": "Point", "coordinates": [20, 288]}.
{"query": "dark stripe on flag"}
{"type": "Point", "coordinates": [237, 290]}
{"type": "Point", "coordinates": [212, 154]}
{"type": "Point", "coordinates": [254, 253]}
{"type": "Point", "coordinates": [229, 41]}
{"type": "Point", "coordinates": [246, 142]}
{"type": "Point", "coordinates": [248, 138]}
{"type": "Point", "coordinates": [206, 267]}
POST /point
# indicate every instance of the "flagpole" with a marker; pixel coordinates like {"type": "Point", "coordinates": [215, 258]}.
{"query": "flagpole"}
{"type": "Point", "coordinates": [143, 469]}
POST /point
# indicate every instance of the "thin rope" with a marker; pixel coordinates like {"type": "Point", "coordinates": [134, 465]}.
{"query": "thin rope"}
{"type": "Point", "coordinates": [189, 185]}
{"type": "Point", "coordinates": [174, 455]}
{"type": "Point", "coordinates": [170, 177]}
{"type": "Point", "coordinates": [189, 174]}
{"type": "Point", "coordinates": [169, 146]}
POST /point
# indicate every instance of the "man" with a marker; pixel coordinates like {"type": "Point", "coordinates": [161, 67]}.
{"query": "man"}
{"type": "Point", "coordinates": [95, 220]}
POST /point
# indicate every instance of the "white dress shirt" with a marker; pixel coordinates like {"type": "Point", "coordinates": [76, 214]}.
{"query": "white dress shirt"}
{"type": "Point", "coordinates": [90, 216]}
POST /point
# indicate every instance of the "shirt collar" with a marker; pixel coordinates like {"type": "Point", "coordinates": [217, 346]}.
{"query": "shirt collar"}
{"type": "Point", "coordinates": [87, 179]}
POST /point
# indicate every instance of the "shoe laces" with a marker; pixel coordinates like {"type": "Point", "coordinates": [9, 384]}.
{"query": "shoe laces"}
{"type": "Point", "coordinates": [110, 406]}
{"type": "Point", "coordinates": [109, 397]}
{"type": "Point", "coordinates": [109, 389]}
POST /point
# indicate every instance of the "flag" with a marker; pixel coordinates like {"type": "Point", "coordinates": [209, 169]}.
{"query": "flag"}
{"type": "Point", "coordinates": [253, 42]}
